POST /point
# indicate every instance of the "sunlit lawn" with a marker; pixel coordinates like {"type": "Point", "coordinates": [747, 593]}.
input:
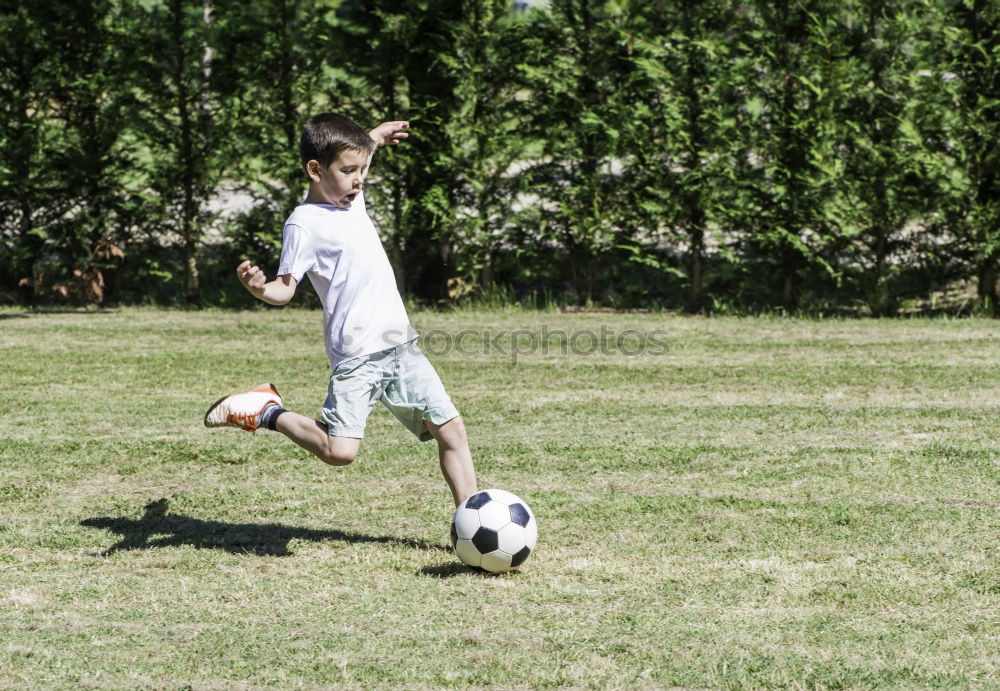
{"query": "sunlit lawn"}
{"type": "Point", "coordinates": [763, 502]}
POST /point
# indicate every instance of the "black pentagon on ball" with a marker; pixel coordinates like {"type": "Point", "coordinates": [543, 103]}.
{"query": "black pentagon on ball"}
{"type": "Point", "coordinates": [454, 535]}
{"type": "Point", "coordinates": [478, 500]}
{"type": "Point", "coordinates": [486, 540]}
{"type": "Point", "coordinates": [519, 514]}
{"type": "Point", "coordinates": [519, 558]}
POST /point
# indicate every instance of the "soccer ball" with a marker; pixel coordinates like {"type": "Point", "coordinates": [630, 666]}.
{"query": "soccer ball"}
{"type": "Point", "coordinates": [493, 530]}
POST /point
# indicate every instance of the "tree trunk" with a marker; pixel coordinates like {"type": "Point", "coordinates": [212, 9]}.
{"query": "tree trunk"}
{"type": "Point", "coordinates": [789, 299]}
{"type": "Point", "coordinates": [28, 243]}
{"type": "Point", "coordinates": [987, 275]}
{"type": "Point", "coordinates": [189, 247]}
{"type": "Point", "coordinates": [881, 295]}
{"type": "Point", "coordinates": [693, 210]}
{"type": "Point", "coordinates": [696, 270]}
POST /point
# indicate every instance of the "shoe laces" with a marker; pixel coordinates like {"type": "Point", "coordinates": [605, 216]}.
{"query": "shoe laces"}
{"type": "Point", "coordinates": [247, 421]}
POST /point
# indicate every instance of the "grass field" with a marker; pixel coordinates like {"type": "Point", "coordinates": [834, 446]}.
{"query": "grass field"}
{"type": "Point", "coordinates": [764, 503]}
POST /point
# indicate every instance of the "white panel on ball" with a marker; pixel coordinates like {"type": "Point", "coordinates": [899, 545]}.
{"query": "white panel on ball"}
{"type": "Point", "coordinates": [496, 562]}
{"type": "Point", "coordinates": [467, 552]}
{"type": "Point", "coordinates": [531, 534]}
{"type": "Point", "coordinates": [503, 495]}
{"type": "Point", "coordinates": [511, 538]}
{"type": "Point", "coordinates": [494, 515]}
{"type": "Point", "coordinates": [466, 522]}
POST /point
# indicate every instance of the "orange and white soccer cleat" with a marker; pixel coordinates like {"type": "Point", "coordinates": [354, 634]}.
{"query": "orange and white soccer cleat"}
{"type": "Point", "coordinates": [242, 409]}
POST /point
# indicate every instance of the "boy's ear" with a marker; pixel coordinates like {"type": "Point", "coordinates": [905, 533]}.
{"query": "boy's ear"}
{"type": "Point", "coordinates": [313, 170]}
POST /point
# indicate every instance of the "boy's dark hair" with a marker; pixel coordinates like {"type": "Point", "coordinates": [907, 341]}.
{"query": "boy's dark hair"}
{"type": "Point", "coordinates": [327, 134]}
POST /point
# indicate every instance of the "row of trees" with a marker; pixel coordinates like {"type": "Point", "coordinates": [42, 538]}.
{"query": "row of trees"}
{"type": "Point", "coordinates": [690, 153]}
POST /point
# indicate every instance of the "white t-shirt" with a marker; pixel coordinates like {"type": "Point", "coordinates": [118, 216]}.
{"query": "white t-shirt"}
{"type": "Point", "coordinates": [341, 253]}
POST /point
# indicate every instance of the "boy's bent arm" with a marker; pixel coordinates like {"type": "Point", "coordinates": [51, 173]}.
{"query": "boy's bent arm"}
{"type": "Point", "coordinates": [278, 292]}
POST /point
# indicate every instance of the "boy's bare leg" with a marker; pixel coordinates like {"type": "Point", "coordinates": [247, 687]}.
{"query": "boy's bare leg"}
{"type": "Point", "coordinates": [312, 436]}
{"type": "Point", "coordinates": [456, 458]}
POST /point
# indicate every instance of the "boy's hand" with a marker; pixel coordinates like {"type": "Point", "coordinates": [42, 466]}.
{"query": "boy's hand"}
{"type": "Point", "coordinates": [252, 278]}
{"type": "Point", "coordinates": [390, 133]}
{"type": "Point", "coordinates": [278, 292]}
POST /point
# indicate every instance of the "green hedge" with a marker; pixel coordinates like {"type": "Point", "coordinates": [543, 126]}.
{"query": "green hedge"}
{"type": "Point", "coordinates": [813, 155]}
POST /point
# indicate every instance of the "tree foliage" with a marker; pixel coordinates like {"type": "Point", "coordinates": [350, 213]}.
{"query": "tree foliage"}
{"type": "Point", "coordinates": [794, 153]}
{"type": "Point", "coordinates": [966, 84]}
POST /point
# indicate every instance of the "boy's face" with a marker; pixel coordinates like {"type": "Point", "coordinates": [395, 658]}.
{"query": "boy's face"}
{"type": "Point", "coordinates": [340, 182]}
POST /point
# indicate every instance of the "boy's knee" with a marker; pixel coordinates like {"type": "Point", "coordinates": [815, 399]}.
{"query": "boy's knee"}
{"type": "Point", "coordinates": [458, 428]}
{"type": "Point", "coordinates": [336, 459]}
{"type": "Point", "coordinates": [338, 453]}
{"type": "Point", "coordinates": [331, 457]}
{"type": "Point", "coordinates": [452, 432]}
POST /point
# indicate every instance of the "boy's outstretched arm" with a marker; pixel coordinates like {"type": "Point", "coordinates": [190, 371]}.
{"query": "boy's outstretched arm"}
{"type": "Point", "coordinates": [387, 134]}
{"type": "Point", "coordinates": [278, 292]}
{"type": "Point", "coordinates": [390, 133]}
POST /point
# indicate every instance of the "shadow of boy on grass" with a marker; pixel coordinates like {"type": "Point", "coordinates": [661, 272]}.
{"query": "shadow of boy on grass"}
{"type": "Point", "coordinates": [157, 528]}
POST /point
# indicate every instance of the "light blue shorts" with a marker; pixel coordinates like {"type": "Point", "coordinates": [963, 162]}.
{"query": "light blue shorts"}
{"type": "Point", "coordinates": [401, 377]}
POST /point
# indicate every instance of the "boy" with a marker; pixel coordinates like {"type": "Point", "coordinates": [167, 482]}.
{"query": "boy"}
{"type": "Point", "coordinates": [369, 340]}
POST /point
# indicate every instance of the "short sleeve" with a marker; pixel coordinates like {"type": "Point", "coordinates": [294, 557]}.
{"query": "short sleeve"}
{"type": "Point", "coordinates": [297, 255]}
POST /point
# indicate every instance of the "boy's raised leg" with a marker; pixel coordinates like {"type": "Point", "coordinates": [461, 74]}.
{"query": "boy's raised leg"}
{"type": "Point", "coordinates": [244, 411]}
{"type": "Point", "coordinates": [312, 436]}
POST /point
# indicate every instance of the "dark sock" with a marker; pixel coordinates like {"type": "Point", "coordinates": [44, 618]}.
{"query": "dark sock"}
{"type": "Point", "coordinates": [269, 416]}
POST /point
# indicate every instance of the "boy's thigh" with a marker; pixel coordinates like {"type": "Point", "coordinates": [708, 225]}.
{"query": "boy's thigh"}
{"type": "Point", "coordinates": [416, 393]}
{"type": "Point", "coordinates": [355, 387]}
